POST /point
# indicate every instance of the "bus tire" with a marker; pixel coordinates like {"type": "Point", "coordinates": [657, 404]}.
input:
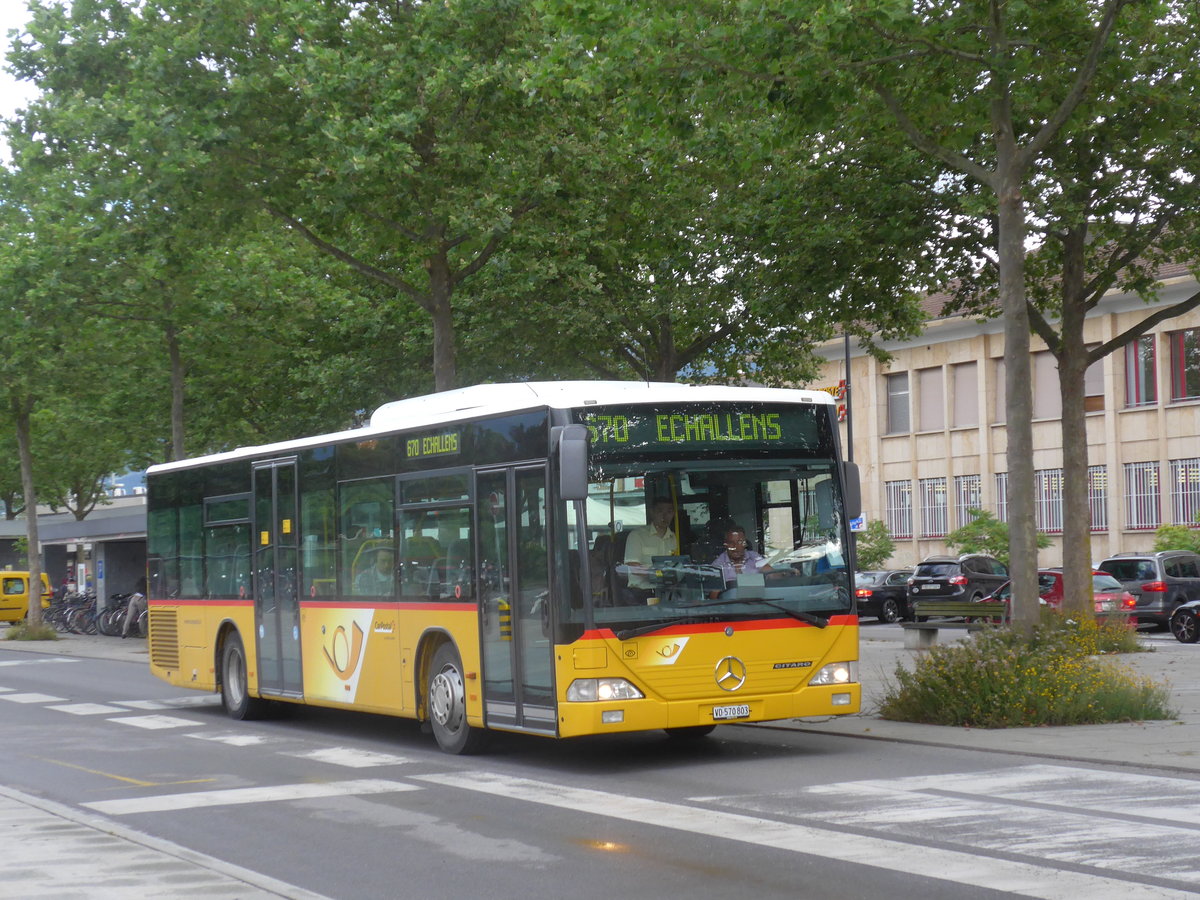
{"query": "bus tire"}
{"type": "Point", "coordinates": [447, 702]}
{"type": "Point", "coordinates": [235, 692]}
{"type": "Point", "coordinates": [689, 731]}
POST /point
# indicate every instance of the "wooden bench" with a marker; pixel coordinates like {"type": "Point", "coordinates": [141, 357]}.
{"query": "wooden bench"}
{"type": "Point", "coordinates": [963, 614]}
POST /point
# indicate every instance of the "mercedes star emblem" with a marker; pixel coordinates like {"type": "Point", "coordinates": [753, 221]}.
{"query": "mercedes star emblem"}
{"type": "Point", "coordinates": [730, 673]}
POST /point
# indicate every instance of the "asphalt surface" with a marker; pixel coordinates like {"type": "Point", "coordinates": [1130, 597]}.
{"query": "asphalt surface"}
{"type": "Point", "coordinates": [67, 842]}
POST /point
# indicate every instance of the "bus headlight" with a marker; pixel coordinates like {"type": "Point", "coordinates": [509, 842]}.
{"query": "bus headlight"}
{"type": "Point", "coordinates": [592, 689]}
{"type": "Point", "coordinates": [836, 673]}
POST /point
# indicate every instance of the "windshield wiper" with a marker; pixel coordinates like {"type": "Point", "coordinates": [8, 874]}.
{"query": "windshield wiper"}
{"type": "Point", "coordinates": [626, 633]}
{"type": "Point", "coordinates": [810, 618]}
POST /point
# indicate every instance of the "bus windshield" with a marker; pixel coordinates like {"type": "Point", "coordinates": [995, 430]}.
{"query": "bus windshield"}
{"type": "Point", "coordinates": [713, 541]}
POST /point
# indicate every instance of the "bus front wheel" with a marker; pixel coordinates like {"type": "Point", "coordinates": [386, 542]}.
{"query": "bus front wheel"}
{"type": "Point", "coordinates": [448, 704]}
{"type": "Point", "coordinates": [235, 693]}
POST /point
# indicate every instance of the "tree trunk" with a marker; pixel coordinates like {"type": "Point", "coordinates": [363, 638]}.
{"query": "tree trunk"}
{"type": "Point", "coordinates": [1072, 375]}
{"type": "Point", "coordinates": [441, 288]}
{"type": "Point", "coordinates": [1077, 536]}
{"type": "Point", "coordinates": [1022, 541]}
{"type": "Point", "coordinates": [175, 355]}
{"type": "Point", "coordinates": [22, 408]}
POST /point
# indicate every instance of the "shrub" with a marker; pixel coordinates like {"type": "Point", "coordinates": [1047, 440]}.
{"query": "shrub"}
{"type": "Point", "coordinates": [1002, 679]}
{"type": "Point", "coordinates": [23, 632]}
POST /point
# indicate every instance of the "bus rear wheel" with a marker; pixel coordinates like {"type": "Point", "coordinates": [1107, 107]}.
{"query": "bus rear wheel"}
{"type": "Point", "coordinates": [448, 704]}
{"type": "Point", "coordinates": [235, 692]}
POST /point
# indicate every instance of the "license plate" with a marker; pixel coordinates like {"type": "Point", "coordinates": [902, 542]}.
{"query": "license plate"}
{"type": "Point", "coordinates": [739, 711]}
{"type": "Point", "coordinates": [930, 587]}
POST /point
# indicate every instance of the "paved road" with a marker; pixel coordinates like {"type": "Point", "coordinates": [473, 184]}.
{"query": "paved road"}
{"type": "Point", "coordinates": [91, 853]}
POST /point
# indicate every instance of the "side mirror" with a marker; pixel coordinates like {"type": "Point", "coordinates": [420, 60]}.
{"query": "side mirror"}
{"type": "Point", "coordinates": [571, 442]}
{"type": "Point", "coordinates": [851, 489]}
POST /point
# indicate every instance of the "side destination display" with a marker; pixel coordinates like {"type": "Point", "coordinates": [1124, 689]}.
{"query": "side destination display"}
{"type": "Point", "coordinates": [641, 429]}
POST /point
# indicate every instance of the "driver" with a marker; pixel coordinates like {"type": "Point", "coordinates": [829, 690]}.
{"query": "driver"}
{"type": "Point", "coordinates": [737, 559]}
{"type": "Point", "coordinates": [653, 539]}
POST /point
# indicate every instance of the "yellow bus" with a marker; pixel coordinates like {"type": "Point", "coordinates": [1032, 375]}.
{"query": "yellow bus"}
{"type": "Point", "coordinates": [466, 559]}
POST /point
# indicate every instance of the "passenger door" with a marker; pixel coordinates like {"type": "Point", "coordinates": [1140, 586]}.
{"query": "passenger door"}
{"type": "Point", "coordinates": [276, 593]}
{"type": "Point", "coordinates": [512, 568]}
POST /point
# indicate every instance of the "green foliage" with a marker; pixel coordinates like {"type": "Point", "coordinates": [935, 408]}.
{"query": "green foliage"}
{"type": "Point", "coordinates": [986, 534]}
{"type": "Point", "coordinates": [874, 547]}
{"type": "Point", "coordinates": [1001, 679]}
{"type": "Point", "coordinates": [25, 632]}
{"type": "Point", "coordinates": [1177, 537]}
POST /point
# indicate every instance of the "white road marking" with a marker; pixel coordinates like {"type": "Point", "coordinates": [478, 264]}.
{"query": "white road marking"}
{"type": "Point", "coordinates": [272, 794]}
{"type": "Point", "coordinates": [87, 709]}
{"type": "Point", "coordinates": [197, 700]}
{"type": "Point", "coordinates": [33, 698]}
{"type": "Point", "coordinates": [351, 758]}
{"type": "Point", "coordinates": [233, 740]}
{"type": "Point", "coordinates": [1137, 824]}
{"type": "Point", "coordinates": [156, 722]}
{"type": "Point", "coordinates": [960, 866]}
{"type": "Point", "coordinates": [142, 704]}
{"type": "Point", "coordinates": [40, 659]}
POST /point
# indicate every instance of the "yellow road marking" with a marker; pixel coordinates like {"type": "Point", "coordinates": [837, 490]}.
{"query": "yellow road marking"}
{"type": "Point", "coordinates": [136, 781]}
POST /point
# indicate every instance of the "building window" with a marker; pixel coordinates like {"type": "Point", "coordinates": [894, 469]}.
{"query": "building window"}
{"type": "Point", "coordinates": [1002, 496]}
{"type": "Point", "coordinates": [968, 495]}
{"type": "Point", "coordinates": [898, 508]}
{"type": "Point", "coordinates": [897, 404]}
{"type": "Point", "coordinates": [1000, 408]}
{"type": "Point", "coordinates": [1048, 500]}
{"type": "Point", "coordinates": [1098, 497]}
{"type": "Point", "coordinates": [934, 510]}
{"type": "Point", "coordinates": [1185, 491]}
{"type": "Point", "coordinates": [931, 409]}
{"type": "Point", "coordinates": [1141, 372]}
{"type": "Point", "coordinates": [1141, 495]}
{"type": "Point", "coordinates": [1093, 387]}
{"type": "Point", "coordinates": [1185, 364]}
{"type": "Point", "coordinates": [964, 379]}
{"type": "Point", "coordinates": [1047, 397]}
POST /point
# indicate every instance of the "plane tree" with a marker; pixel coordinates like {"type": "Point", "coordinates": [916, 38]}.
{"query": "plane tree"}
{"type": "Point", "coordinates": [397, 139]}
{"type": "Point", "coordinates": [995, 96]}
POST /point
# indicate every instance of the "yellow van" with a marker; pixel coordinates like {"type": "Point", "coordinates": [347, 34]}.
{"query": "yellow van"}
{"type": "Point", "coordinates": [14, 595]}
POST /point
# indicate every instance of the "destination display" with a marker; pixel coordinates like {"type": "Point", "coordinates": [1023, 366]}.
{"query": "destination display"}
{"type": "Point", "coordinates": [432, 445]}
{"type": "Point", "coordinates": [711, 427]}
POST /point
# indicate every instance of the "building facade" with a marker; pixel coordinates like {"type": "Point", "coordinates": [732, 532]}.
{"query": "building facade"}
{"type": "Point", "coordinates": [930, 440]}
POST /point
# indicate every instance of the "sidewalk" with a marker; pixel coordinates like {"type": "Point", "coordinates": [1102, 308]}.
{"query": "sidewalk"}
{"type": "Point", "coordinates": [1170, 744]}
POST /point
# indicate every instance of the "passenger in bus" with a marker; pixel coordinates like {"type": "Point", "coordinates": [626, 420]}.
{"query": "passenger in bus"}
{"type": "Point", "coordinates": [737, 558]}
{"type": "Point", "coordinates": [380, 579]}
{"type": "Point", "coordinates": [656, 538]}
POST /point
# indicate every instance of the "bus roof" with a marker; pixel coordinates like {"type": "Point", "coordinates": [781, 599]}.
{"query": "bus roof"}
{"type": "Point", "coordinates": [483, 400]}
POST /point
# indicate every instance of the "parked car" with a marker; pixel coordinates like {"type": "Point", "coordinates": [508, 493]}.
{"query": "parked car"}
{"type": "Point", "coordinates": [14, 595]}
{"type": "Point", "coordinates": [969, 577]}
{"type": "Point", "coordinates": [1160, 582]}
{"type": "Point", "coordinates": [1110, 597]}
{"type": "Point", "coordinates": [883, 594]}
{"type": "Point", "coordinates": [1185, 622]}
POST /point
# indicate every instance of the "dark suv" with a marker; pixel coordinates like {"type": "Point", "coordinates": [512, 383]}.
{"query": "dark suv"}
{"type": "Point", "coordinates": [969, 577]}
{"type": "Point", "coordinates": [1159, 581]}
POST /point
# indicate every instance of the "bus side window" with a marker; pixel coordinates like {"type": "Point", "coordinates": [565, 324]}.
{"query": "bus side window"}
{"type": "Point", "coordinates": [365, 527]}
{"type": "Point", "coordinates": [422, 556]}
